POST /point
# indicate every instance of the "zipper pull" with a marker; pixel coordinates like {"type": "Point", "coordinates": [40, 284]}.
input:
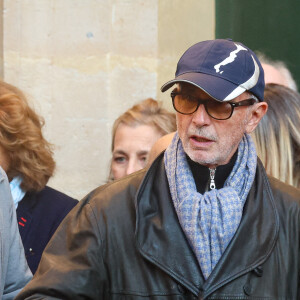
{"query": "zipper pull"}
{"type": "Point", "coordinates": [212, 172]}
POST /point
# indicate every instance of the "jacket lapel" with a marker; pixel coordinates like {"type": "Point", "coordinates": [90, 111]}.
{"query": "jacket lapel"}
{"type": "Point", "coordinates": [255, 238]}
{"type": "Point", "coordinates": [161, 240]}
{"type": "Point", "coordinates": [159, 236]}
{"type": "Point", "coordinates": [24, 214]}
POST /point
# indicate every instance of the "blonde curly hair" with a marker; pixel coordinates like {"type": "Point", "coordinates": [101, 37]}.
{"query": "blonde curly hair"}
{"type": "Point", "coordinates": [29, 154]}
{"type": "Point", "coordinates": [147, 112]}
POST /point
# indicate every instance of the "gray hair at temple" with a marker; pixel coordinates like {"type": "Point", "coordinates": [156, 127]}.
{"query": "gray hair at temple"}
{"type": "Point", "coordinates": [277, 72]}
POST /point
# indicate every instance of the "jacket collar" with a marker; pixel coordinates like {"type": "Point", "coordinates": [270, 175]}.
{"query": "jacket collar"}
{"type": "Point", "coordinates": [161, 240]}
{"type": "Point", "coordinates": [159, 236]}
{"type": "Point", "coordinates": [255, 237]}
{"type": "Point", "coordinates": [25, 213]}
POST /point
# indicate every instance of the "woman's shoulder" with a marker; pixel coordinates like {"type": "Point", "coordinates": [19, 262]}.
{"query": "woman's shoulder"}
{"type": "Point", "coordinates": [48, 192]}
{"type": "Point", "coordinates": [48, 198]}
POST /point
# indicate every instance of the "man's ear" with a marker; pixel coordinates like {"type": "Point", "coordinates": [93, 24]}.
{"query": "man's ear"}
{"type": "Point", "coordinates": [255, 115]}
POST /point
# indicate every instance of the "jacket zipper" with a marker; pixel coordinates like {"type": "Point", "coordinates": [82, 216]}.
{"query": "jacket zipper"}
{"type": "Point", "coordinates": [212, 173]}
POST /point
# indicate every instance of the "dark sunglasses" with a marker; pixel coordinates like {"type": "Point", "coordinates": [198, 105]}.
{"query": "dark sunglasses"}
{"type": "Point", "coordinates": [187, 105]}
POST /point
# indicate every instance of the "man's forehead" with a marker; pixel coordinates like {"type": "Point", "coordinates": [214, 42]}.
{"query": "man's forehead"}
{"type": "Point", "coordinates": [273, 75]}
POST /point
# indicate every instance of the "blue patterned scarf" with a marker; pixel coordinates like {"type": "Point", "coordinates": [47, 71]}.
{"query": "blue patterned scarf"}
{"type": "Point", "coordinates": [209, 220]}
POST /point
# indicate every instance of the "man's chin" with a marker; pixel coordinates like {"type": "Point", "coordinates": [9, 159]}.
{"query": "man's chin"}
{"type": "Point", "coordinates": [200, 159]}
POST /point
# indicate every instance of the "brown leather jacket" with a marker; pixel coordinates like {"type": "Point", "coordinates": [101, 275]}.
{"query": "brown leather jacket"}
{"type": "Point", "coordinates": [123, 241]}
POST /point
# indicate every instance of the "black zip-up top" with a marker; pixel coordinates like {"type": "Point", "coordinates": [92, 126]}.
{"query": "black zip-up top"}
{"type": "Point", "coordinates": [202, 174]}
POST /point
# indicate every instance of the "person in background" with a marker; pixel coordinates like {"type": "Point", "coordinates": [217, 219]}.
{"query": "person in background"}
{"type": "Point", "coordinates": [134, 133]}
{"type": "Point", "coordinates": [277, 136]}
{"type": "Point", "coordinates": [276, 71]}
{"type": "Point", "coordinates": [27, 158]}
{"type": "Point", "coordinates": [14, 271]}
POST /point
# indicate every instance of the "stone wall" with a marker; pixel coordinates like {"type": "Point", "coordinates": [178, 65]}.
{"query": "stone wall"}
{"type": "Point", "coordinates": [83, 62]}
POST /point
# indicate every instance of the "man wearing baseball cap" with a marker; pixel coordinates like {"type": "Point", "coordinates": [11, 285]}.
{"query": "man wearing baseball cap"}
{"type": "Point", "coordinates": [204, 221]}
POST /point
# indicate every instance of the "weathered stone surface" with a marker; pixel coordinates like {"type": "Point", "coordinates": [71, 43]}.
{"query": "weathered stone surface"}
{"type": "Point", "coordinates": [83, 62]}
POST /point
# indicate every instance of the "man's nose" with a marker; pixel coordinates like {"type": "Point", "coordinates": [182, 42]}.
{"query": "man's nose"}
{"type": "Point", "coordinates": [201, 117]}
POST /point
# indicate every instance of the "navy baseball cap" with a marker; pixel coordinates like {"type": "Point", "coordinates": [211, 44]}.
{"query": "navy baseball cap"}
{"type": "Point", "coordinates": [223, 69]}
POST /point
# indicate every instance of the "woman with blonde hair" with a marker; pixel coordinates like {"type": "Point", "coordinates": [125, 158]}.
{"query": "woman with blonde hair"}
{"type": "Point", "coordinates": [27, 158]}
{"type": "Point", "coordinates": [134, 133]}
{"type": "Point", "coordinates": [277, 136]}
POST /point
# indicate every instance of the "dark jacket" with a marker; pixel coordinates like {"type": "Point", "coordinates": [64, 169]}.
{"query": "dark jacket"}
{"type": "Point", "coordinates": [39, 215]}
{"type": "Point", "coordinates": [124, 241]}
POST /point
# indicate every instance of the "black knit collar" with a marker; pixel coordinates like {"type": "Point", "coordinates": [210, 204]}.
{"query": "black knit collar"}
{"type": "Point", "coordinates": [201, 174]}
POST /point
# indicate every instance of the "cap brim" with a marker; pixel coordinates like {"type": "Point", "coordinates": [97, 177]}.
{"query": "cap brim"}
{"type": "Point", "coordinates": [217, 88]}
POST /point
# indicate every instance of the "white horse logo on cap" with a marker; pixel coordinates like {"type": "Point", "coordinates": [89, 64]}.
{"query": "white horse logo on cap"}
{"type": "Point", "coordinates": [248, 84]}
{"type": "Point", "coordinates": [232, 56]}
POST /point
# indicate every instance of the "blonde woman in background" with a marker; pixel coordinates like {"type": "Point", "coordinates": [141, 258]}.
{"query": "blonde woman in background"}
{"type": "Point", "coordinates": [27, 158]}
{"type": "Point", "coordinates": [134, 133]}
{"type": "Point", "coordinates": [277, 136]}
